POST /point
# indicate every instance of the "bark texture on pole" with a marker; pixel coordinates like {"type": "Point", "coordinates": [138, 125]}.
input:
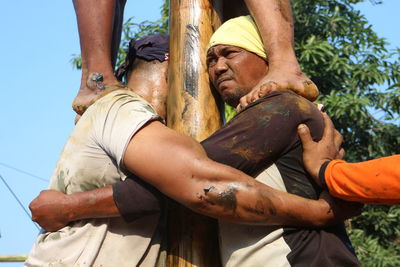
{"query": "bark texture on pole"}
{"type": "Point", "coordinates": [192, 110]}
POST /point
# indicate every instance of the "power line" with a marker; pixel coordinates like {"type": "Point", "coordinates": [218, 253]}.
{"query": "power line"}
{"type": "Point", "coordinates": [24, 172]}
{"type": "Point", "coordinates": [17, 199]}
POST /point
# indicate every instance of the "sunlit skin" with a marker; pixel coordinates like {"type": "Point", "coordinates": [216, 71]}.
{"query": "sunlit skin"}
{"type": "Point", "coordinates": [206, 182]}
{"type": "Point", "coordinates": [99, 24]}
{"type": "Point", "coordinates": [234, 71]}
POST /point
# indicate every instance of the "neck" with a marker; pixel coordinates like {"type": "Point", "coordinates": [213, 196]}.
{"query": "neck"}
{"type": "Point", "coordinates": [148, 79]}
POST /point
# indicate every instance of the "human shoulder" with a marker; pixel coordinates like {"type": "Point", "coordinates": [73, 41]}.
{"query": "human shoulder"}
{"type": "Point", "coordinates": [119, 103]}
{"type": "Point", "coordinates": [122, 97]}
{"type": "Point", "coordinates": [282, 104]}
{"type": "Point", "coordinates": [284, 99]}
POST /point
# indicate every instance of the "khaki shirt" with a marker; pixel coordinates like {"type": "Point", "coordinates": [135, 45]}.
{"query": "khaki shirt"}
{"type": "Point", "coordinates": [92, 158]}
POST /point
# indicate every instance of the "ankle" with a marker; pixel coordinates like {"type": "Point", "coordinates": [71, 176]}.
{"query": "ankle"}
{"type": "Point", "coordinates": [97, 81]}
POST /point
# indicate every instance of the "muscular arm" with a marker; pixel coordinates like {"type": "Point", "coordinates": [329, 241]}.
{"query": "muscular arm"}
{"type": "Point", "coordinates": [275, 23]}
{"type": "Point", "coordinates": [178, 166]}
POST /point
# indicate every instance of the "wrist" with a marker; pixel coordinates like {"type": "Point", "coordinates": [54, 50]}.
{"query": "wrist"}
{"type": "Point", "coordinates": [320, 179]}
{"type": "Point", "coordinates": [71, 202]}
{"type": "Point", "coordinates": [325, 212]}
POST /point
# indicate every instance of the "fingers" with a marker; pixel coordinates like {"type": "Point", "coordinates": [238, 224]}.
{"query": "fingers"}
{"type": "Point", "coordinates": [305, 136]}
{"type": "Point", "coordinates": [331, 134]}
{"type": "Point", "coordinates": [306, 89]}
{"type": "Point", "coordinates": [338, 139]}
{"type": "Point", "coordinates": [340, 154]}
{"type": "Point", "coordinates": [329, 129]}
{"type": "Point", "coordinates": [243, 102]}
{"type": "Point", "coordinates": [247, 99]}
{"type": "Point", "coordinates": [256, 94]}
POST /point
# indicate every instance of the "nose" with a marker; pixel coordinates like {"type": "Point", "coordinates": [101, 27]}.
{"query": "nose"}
{"type": "Point", "coordinates": [220, 66]}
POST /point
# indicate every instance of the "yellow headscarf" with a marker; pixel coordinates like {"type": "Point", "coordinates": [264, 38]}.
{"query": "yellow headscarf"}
{"type": "Point", "coordinates": [241, 32]}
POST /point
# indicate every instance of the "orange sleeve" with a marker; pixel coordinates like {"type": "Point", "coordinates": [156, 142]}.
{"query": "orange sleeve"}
{"type": "Point", "coordinates": [373, 182]}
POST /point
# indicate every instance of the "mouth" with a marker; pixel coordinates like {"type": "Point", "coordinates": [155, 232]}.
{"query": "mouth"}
{"type": "Point", "coordinates": [222, 79]}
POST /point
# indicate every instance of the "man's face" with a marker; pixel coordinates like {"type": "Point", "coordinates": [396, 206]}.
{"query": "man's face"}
{"type": "Point", "coordinates": [234, 71]}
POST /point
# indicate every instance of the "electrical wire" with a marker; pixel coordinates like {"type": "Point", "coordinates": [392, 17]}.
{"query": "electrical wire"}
{"type": "Point", "coordinates": [17, 199]}
{"type": "Point", "coordinates": [24, 172]}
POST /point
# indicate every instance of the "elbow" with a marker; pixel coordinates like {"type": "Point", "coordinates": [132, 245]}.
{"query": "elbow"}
{"type": "Point", "coordinates": [198, 202]}
{"type": "Point", "coordinates": [217, 201]}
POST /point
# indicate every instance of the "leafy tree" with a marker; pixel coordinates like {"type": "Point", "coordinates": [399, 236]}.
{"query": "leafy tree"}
{"type": "Point", "coordinates": [359, 82]}
{"type": "Point", "coordinates": [358, 78]}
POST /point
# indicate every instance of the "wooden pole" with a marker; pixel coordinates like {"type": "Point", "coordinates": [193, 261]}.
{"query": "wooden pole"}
{"type": "Point", "coordinates": [191, 107]}
{"type": "Point", "coordinates": [192, 110]}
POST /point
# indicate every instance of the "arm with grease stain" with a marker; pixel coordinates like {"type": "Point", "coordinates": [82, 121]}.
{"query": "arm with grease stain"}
{"type": "Point", "coordinates": [179, 167]}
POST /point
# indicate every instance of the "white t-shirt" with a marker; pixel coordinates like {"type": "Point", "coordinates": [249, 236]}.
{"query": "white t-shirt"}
{"type": "Point", "coordinates": [92, 158]}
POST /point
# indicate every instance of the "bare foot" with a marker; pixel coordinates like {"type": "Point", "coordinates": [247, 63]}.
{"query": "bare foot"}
{"type": "Point", "coordinates": [94, 89]}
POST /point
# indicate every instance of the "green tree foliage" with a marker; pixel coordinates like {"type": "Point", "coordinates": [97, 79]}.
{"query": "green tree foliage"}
{"type": "Point", "coordinates": [355, 72]}
{"type": "Point", "coordinates": [358, 78]}
{"type": "Point", "coordinates": [359, 83]}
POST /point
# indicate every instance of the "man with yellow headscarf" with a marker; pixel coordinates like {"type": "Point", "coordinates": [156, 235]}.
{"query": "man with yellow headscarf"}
{"type": "Point", "coordinates": [262, 142]}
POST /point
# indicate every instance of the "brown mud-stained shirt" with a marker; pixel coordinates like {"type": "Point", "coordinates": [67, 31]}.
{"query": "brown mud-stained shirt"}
{"type": "Point", "coordinates": [262, 141]}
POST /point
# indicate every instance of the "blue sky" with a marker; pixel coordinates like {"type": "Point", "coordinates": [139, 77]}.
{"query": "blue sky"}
{"type": "Point", "coordinates": [38, 85]}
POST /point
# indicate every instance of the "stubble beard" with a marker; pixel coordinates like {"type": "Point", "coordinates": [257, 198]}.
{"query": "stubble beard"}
{"type": "Point", "coordinates": [233, 98]}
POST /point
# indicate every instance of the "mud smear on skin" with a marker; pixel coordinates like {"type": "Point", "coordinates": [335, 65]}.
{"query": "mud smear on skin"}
{"type": "Point", "coordinates": [225, 198]}
{"type": "Point", "coordinates": [258, 209]}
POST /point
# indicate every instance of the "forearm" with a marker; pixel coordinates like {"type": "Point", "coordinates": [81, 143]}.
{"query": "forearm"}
{"type": "Point", "coordinates": [131, 199]}
{"type": "Point", "coordinates": [179, 167]}
{"type": "Point", "coordinates": [275, 23]}
{"type": "Point", "coordinates": [98, 203]}
{"type": "Point", "coordinates": [374, 181]}
{"type": "Point", "coordinates": [236, 197]}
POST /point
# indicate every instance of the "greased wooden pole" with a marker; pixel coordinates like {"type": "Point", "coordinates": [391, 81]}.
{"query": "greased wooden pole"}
{"type": "Point", "coordinates": [192, 110]}
{"type": "Point", "coordinates": [191, 106]}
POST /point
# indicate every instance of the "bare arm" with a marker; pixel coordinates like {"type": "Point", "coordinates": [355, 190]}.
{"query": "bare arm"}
{"type": "Point", "coordinates": [53, 210]}
{"type": "Point", "coordinates": [178, 166]}
{"type": "Point", "coordinates": [275, 23]}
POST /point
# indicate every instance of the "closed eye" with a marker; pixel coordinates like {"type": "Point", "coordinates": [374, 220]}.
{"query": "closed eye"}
{"type": "Point", "coordinates": [230, 53]}
{"type": "Point", "coordinates": [210, 61]}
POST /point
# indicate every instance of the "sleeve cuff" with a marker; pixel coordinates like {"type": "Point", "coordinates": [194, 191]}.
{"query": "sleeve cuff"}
{"type": "Point", "coordinates": [135, 199]}
{"type": "Point", "coordinates": [321, 175]}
